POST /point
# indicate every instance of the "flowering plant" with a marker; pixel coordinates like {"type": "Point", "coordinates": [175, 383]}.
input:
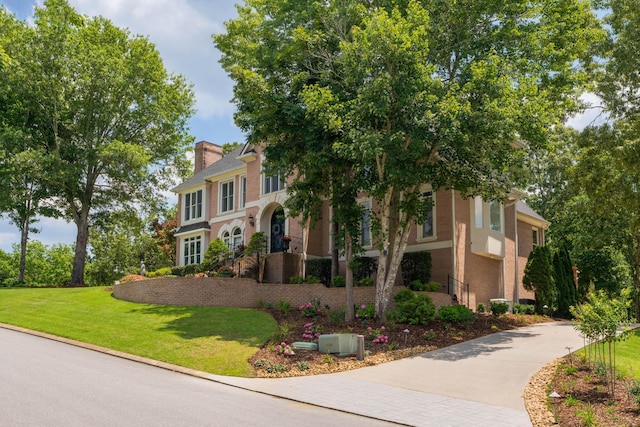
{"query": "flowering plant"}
{"type": "Point", "coordinates": [366, 311]}
{"type": "Point", "coordinates": [376, 336]}
{"type": "Point", "coordinates": [311, 309]}
{"type": "Point", "coordinates": [312, 331]}
{"type": "Point", "coordinates": [284, 348]}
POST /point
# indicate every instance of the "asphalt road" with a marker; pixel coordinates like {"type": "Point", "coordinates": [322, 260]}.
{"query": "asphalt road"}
{"type": "Point", "coordinates": [48, 383]}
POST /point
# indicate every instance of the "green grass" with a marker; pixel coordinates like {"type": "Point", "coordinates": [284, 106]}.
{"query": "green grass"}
{"type": "Point", "coordinates": [218, 340]}
{"type": "Point", "coordinates": [627, 361]}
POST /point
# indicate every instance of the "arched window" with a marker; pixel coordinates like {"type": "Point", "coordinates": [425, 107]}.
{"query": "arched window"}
{"type": "Point", "coordinates": [237, 237]}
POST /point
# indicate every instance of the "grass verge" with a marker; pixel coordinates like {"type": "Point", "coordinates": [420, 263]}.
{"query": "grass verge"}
{"type": "Point", "coordinates": [218, 340]}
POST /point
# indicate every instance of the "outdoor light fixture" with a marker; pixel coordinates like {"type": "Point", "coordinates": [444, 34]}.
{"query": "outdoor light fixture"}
{"type": "Point", "coordinates": [251, 220]}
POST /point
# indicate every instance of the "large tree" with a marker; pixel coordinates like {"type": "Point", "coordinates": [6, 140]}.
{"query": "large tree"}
{"type": "Point", "coordinates": [109, 118]}
{"type": "Point", "coordinates": [409, 93]}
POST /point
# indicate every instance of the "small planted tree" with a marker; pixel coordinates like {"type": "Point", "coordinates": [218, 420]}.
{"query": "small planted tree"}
{"type": "Point", "coordinates": [215, 255]}
{"type": "Point", "coordinates": [257, 246]}
{"type": "Point", "coordinates": [604, 320]}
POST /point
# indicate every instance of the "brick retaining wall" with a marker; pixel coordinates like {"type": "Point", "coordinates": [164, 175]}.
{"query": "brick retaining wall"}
{"type": "Point", "coordinates": [235, 292]}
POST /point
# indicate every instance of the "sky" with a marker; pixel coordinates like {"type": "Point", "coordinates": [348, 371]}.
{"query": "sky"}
{"type": "Point", "coordinates": [181, 31]}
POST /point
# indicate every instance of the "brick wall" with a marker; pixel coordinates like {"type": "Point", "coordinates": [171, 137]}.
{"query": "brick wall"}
{"type": "Point", "coordinates": [234, 292]}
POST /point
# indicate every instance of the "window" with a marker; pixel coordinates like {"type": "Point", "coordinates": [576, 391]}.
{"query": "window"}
{"type": "Point", "coordinates": [495, 216]}
{"type": "Point", "coordinates": [428, 226]}
{"type": "Point", "coordinates": [226, 196]}
{"type": "Point", "coordinates": [477, 207]}
{"type": "Point", "coordinates": [192, 250]}
{"type": "Point", "coordinates": [226, 238]}
{"type": "Point", "coordinates": [193, 205]}
{"type": "Point", "coordinates": [237, 237]}
{"type": "Point", "coordinates": [272, 183]}
{"type": "Point", "coordinates": [534, 237]}
{"type": "Point", "coordinates": [243, 191]}
{"type": "Point", "coordinates": [365, 225]}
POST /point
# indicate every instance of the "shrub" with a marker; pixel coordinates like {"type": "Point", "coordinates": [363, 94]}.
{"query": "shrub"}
{"type": "Point", "coordinates": [413, 309]}
{"type": "Point", "coordinates": [524, 309]}
{"type": "Point", "coordinates": [499, 308]}
{"type": "Point", "coordinates": [455, 314]}
{"type": "Point", "coordinates": [433, 287]}
{"type": "Point", "coordinates": [363, 268]}
{"type": "Point", "coordinates": [338, 282]}
{"type": "Point", "coordinates": [481, 307]}
{"type": "Point", "coordinates": [226, 271]}
{"type": "Point", "coordinates": [367, 281]}
{"type": "Point", "coordinates": [311, 309]}
{"type": "Point", "coordinates": [191, 269]}
{"type": "Point", "coordinates": [320, 267]}
{"type": "Point", "coordinates": [416, 266]}
{"type": "Point", "coordinates": [296, 279]}
{"type": "Point", "coordinates": [417, 286]}
{"type": "Point", "coordinates": [312, 279]}
{"type": "Point", "coordinates": [177, 271]}
{"type": "Point", "coordinates": [366, 311]}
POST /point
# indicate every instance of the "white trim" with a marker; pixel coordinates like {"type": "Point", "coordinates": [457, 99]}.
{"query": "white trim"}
{"type": "Point", "coordinates": [203, 207]}
{"type": "Point", "coordinates": [226, 183]}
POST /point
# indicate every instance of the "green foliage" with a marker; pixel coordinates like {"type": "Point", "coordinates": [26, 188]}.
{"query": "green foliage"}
{"type": "Point", "coordinates": [538, 277]}
{"type": "Point", "coordinates": [166, 333]}
{"type": "Point", "coordinates": [563, 276]}
{"type": "Point", "coordinates": [412, 308]}
{"type": "Point", "coordinates": [455, 314]}
{"type": "Point", "coordinates": [338, 282]}
{"type": "Point", "coordinates": [191, 269]}
{"type": "Point", "coordinates": [296, 279]}
{"type": "Point", "coordinates": [363, 268]}
{"type": "Point", "coordinates": [416, 266]}
{"type": "Point", "coordinates": [283, 307]}
{"type": "Point", "coordinates": [481, 307]}
{"type": "Point", "coordinates": [634, 391]}
{"type": "Point", "coordinates": [418, 286]}
{"type": "Point", "coordinates": [109, 118]}
{"type": "Point", "coordinates": [312, 279]}
{"type": "Point", "coordinates": [320, 267]}
{"type": "Point", "coordinates": [499, 308]}
{"type": "Point", "coordinates": [257, 244]}
{"type": "Point", "coordinates": [367, 281]}
{"type": "Point", "coordinates": [524, 308]}
{"type": "Point", "coordinates": [383, 98]}
{"type": "Point", "coordinates": [45, 266]}
{"type": "Point", "coordinates": [605, 269]}
{"type": "Point", "coordinates": [366, 312]}
{"type": "Point", "coordinates": [215, 256]}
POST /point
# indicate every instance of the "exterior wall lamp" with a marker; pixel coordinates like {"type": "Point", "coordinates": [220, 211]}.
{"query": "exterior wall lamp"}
{"type": "Point", "coordinates": [252, 220]}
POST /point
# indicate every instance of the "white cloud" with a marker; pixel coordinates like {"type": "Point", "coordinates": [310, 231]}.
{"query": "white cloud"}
{"type": "Point", "coordinates": [593, 115]}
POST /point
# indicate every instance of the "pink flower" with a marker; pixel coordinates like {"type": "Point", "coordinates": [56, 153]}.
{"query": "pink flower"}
{"type": "Point", "coordinates": [382, 328]}
{"type": "Point", "coordinates": [363, 306]}
{"type": "Point", "coordinates": [368, 328]}
{"type": "Point", "coordinates": [308, 324]}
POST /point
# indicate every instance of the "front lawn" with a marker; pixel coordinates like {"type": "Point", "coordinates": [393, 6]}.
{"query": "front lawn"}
{"type": "Point", "coordinates": [212, 339]}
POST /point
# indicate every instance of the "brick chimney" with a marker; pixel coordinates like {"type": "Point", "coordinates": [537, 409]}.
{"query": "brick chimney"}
{"type": "Point", "coordinates": [206, 153]}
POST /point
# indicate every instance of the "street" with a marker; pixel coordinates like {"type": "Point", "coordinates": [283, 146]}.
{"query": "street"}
{"type": "Point", "coordinates": [48, 383]}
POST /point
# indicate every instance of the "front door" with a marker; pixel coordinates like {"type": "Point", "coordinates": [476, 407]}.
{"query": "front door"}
{"type": "Point", "coordinates": [277, 230]}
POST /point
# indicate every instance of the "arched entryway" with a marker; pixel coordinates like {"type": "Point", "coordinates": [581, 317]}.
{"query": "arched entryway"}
{"type": "Point", "coordinates": [277, 230]}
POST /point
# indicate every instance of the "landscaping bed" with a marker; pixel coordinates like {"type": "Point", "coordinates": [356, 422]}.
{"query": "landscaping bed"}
{"type": "Point", "coordinates": [392, 341]}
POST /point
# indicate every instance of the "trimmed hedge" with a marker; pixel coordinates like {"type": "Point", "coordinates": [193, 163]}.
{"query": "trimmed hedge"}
{"type": "Point", "coordinates": [416, 266]}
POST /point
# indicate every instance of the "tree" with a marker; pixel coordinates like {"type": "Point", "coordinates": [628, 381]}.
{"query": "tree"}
{"type": "Point", "coordinates": [616, 147]}
{"type": "Point", "coordinates": [405, 94]}
{"type": "Point", "coordinates": [109, 118]}
{"type": "Point", "coordinates": [257, 246]}
{"type": "Point", "coordinates": [538, 277]}
{"type": "Point", "coordinates": [163, 232]}
{"type": "Point", "coordinates": [563, 277]}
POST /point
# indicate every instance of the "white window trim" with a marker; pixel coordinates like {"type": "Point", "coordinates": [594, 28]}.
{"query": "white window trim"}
{"type": "Point", "coordinates": [193, 219]}
{"type": "Point", "coordinates": [242, 192]}
{"type": "Point", "coordinates": [420, 236]}
{"type": "Point", "coordinates": [221, 184]}
{"type": "Point", "coordinates": [197, 257]}
{"type": "Point", "coordinates": [370, 243]}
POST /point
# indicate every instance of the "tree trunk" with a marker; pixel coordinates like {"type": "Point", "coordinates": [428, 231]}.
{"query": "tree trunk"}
{"type": "Point", "coordinates": [335, 263]}
{"type": "Point", "coordinates": [349, 314]}
{"type": "Point", "coordinates": [80, 258]}
{"type": "Point", "coordinates": [636, 280]}
{"type": "Point", "coordinates": [24, 239]}
{"type": "Point", "coordinates": [394, 230]}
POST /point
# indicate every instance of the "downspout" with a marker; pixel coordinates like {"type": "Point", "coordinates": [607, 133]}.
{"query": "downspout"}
{"type": "Point", "coordinates": [454, 239]}
{"type": "Point", "coordinates": [516, 281]}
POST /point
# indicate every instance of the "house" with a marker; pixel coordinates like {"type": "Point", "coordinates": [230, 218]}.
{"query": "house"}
{"type": "Point", "coordinates": [479, 249]}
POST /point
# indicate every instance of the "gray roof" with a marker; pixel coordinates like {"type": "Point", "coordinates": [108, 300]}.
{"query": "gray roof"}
{"type": "Point", "coordinates": [227, 163]}
{"type": "Point", "coordinates": [523, 208]}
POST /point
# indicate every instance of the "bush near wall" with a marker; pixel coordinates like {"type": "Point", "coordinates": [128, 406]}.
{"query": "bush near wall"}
{"type": "Point", "coordinates": [320, 267]}
{"type": "Point", "coordinates": [416, 266]}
